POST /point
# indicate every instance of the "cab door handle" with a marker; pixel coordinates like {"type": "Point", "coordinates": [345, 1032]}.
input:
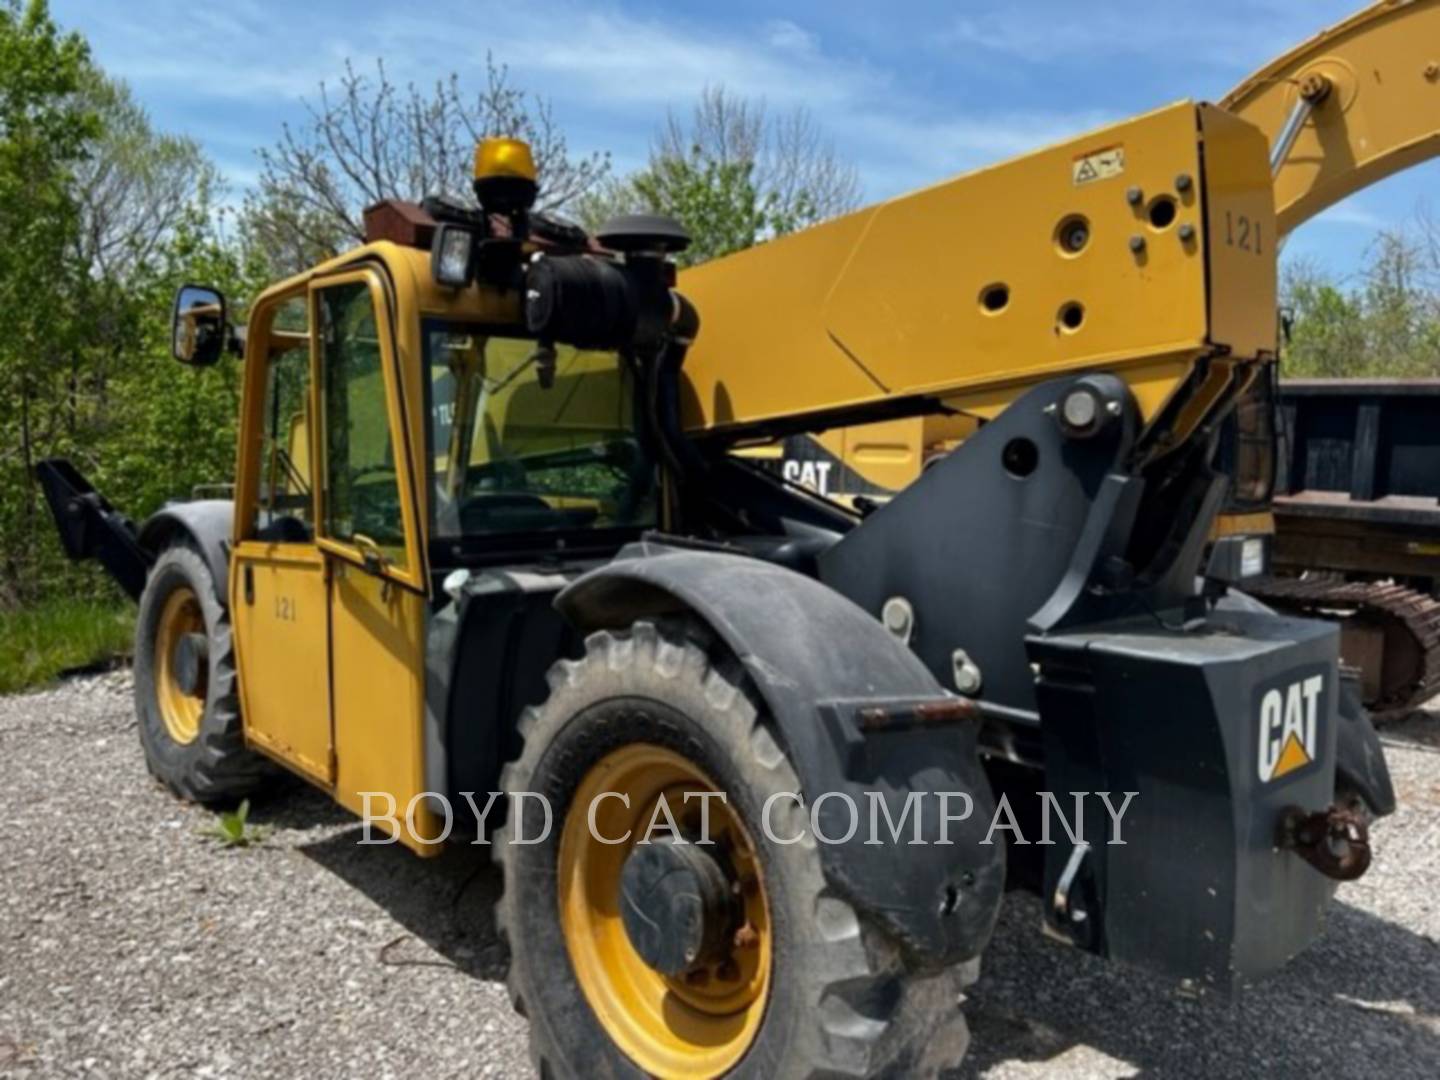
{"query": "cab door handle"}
{"type": "Point", "coordinates": [250, 586]}
{"type": "Point", "coordinates": [371, 557]}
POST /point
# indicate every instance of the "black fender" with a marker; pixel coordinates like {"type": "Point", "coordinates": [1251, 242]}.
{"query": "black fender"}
{"type": "Point", "coordinates": [1359, 758]}
{"type": "Point", "coordinates": [858, 713]}
{"type": "Point", "coordinates": [205, 525]}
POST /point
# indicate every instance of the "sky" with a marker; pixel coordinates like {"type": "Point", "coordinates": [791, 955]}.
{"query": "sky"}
{"type": "Point", "coordinates": [910, 92]}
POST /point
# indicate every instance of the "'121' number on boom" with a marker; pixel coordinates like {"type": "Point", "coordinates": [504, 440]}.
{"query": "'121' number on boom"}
{"type": "Point", "coordinates": [1241, 232]}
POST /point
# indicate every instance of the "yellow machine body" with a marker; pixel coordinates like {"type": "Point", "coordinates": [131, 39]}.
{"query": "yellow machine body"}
{"type": "Point", "coordinates": [892, 332]}
{"type": "Point", "coordinates": [328, 626]}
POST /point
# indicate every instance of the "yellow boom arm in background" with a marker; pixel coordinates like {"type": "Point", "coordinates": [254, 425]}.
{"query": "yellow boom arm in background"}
{"type": "Point", "coordinates": [1351, 106]}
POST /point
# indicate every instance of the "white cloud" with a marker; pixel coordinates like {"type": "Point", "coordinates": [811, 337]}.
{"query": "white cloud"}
{"type": "Point", "coordinates": [631, 69]}
{"type": "Point", "coordinates": [611, 76]}
{"type": "Point", "coordinates": [906, 152]}
{"type": "Point", "coordinates": [614, 58]}
{"type": "Point", "coordinates": [1226, 35]}
{"type": "Point", "coordinates": [787, 36]}
{"type": "Point", "coordinates": [637, 67]}
{"type": "Point", "coordinates": [245, 83]}
{"type": "Point", "coordinates": [1348, 213]}
{"type": "Point", "coordinates": [198, 54]}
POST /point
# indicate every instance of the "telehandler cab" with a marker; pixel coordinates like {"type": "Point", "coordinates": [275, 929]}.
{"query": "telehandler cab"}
{"type": "Point", "coordinates": [488, 534]}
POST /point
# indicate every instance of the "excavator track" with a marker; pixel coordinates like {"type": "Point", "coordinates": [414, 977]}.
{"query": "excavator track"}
{"type": "Point", "coordinates": [1389, 632]}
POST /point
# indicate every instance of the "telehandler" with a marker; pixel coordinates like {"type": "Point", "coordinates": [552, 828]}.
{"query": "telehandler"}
{"type": "Point", "coordinates": [1345, 109]}
{"type": "Point", "coordinates": [488, 534]}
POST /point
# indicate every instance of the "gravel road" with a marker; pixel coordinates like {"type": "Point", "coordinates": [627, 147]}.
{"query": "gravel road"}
{"type": "Point", "coordinates": [131, 946]}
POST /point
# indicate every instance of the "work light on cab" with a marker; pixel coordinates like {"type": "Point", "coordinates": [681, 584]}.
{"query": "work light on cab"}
{"type": "Point", "coordinates": [452, 256]}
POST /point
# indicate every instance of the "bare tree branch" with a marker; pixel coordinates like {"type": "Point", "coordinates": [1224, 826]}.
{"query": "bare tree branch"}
{"type": "Point", "coordinates": [134, 185]}
{"type": "Point", "coordinates": [371, 140]}
{"type": "Point", "coordinates": [733, 175]}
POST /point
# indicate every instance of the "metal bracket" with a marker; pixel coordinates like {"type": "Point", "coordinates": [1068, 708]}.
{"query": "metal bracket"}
{"type": "Point", "coordinates": [1061, 904]}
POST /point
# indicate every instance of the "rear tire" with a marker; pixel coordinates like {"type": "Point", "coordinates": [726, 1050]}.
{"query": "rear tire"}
{"type": "Point", "coordinates": [840, 998]}
{"type": "Point", "coordinates": [191, 735]}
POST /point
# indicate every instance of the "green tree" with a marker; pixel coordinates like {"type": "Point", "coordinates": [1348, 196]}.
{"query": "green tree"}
{"type": "Point", "coordinates": [733, 176]}
{"type": "Point", "coordinates": [170, 429]}
{"type": "Point", "coordinates": [716, 201]}
{"type": "Point", "coordinates": [1327, 337]}
{"type": "Point", "coordinates": [107, 217]}
{"type": "Point", "coordinates": [45, 126]}
{"type": "Point", "coordinates": [1383, 323]}
{"type": "Point", "coordinates": [148, 428]}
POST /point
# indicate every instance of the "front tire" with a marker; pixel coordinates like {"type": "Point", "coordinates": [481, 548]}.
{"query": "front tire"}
{"type": "Point", "coordinates": [186, 699]}
{"type": "Point", "coordinates": [796, 985]}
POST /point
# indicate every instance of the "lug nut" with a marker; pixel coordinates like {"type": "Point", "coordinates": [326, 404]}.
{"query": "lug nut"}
{"type": "Point", "coordinates": [1182, 182]}
{"type": "Point", "coordinates": [1187, 232]}
{"type": "Point", "coordinates": [1133, 196]}
{"type": "Point", "coordinates": [1137, 244]}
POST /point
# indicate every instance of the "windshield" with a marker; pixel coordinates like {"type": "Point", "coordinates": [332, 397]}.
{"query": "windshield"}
{"type": "Point", "coordinates": [525, 439]}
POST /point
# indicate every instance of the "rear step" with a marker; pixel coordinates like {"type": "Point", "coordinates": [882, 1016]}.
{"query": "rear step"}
{"type": "Point", "coordinates": [90, 528]}
{"type": "Point", "coordinates": [1389, 632]}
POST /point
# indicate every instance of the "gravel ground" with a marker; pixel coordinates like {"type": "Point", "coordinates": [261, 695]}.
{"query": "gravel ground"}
{"type": "Point", "coordinates": [132, 946]}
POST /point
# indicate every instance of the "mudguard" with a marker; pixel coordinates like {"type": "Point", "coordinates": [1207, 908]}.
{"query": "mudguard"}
{"type": "Point", "coordinates": [1359, 758]}
{"type": "Point", "coordinates": [205, 524]}
{"type": "Point", "coordinates": [858, 713]}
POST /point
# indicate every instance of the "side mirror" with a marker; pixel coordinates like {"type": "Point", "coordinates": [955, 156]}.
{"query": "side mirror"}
{"type": "Point", "coordinates": [199, 332]}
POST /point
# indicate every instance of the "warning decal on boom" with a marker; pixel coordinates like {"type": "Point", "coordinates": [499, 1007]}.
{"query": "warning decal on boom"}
{"type": "Point", "coordinates": [1099, 164]}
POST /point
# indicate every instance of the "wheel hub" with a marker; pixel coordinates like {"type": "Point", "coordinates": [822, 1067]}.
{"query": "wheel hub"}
{"type": "Point", "coordinates": [192, 654]}
{"type": "Point", "coordinates": [677, 906]}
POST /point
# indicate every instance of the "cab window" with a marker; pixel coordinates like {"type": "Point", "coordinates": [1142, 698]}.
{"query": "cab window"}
{"type": "Point", "coordinates": [362, 488]}
{"type": "Point", "coordinates": [527, 439]}
{"type": "Point", "coordinates": [284, 506]}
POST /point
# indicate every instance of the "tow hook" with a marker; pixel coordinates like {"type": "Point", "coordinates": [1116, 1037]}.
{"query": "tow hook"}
{"type": "Point", "coordinates": [1335, 841]}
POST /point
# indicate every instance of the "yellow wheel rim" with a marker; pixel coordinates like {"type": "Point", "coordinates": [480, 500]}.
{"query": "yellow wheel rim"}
{"type": "Point", "coordinates": [181, 711]}
{"type": "Point", "coordinates": [696, 1025]}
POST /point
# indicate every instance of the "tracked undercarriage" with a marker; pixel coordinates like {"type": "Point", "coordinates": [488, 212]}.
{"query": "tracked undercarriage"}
{"type": "Point", "coordinates": [1390, 633]}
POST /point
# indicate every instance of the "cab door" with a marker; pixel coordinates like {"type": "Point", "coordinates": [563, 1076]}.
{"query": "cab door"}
{"type": "Point", "coordinates": [279, 599]}
{"type": "Point", "coordinates": [370, 537]}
